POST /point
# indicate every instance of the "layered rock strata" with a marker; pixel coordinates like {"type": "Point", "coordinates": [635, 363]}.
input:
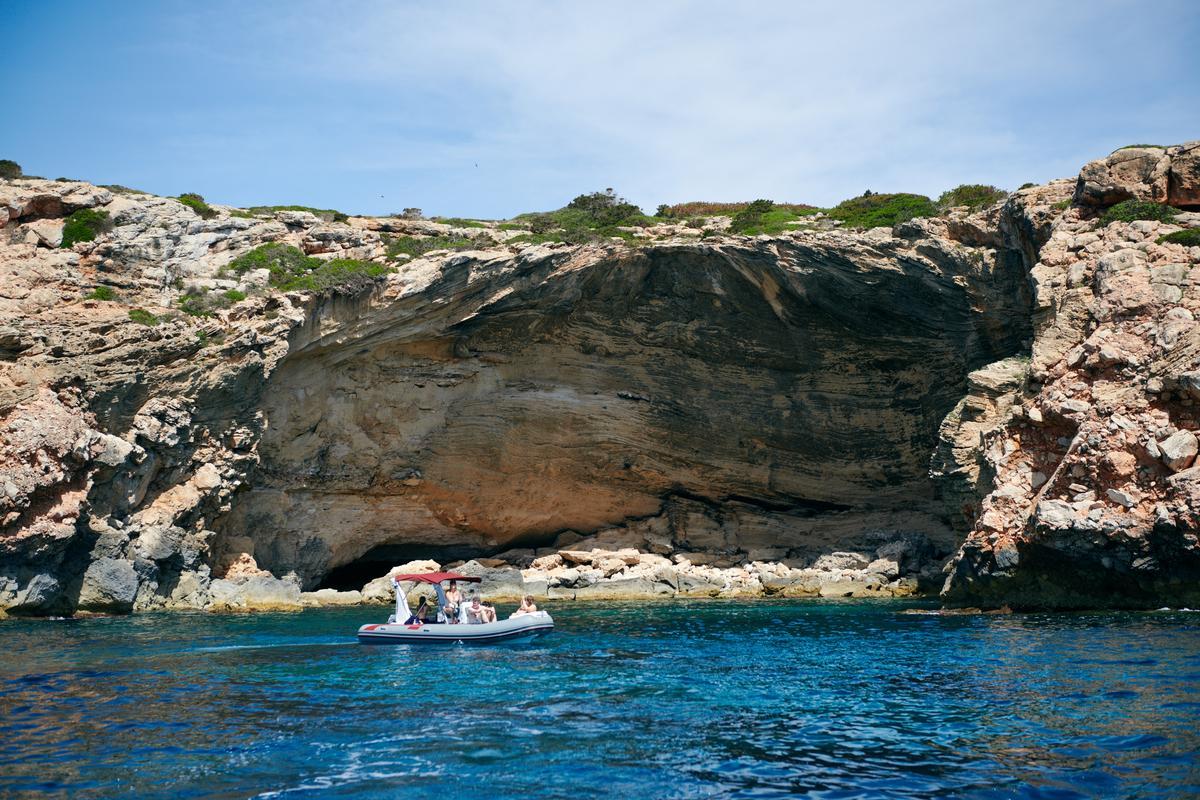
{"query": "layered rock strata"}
{"type": "Point", "coordinates": [815, 413]}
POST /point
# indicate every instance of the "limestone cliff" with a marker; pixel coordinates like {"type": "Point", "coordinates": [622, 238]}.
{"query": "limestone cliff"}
{"type": "Point", "coordinates": [815, 408]}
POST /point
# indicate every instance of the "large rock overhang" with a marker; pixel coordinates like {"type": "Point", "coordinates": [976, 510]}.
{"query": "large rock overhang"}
{"type": "Point", "coordinates": [505, 402]}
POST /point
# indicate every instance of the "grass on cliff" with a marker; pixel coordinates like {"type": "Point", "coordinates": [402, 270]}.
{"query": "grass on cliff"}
{"type": "Point", "coordinates": [1132, 210]}
{"type": "Point", "coordinates": [143, 317]}
{"type": "Point", "coordinates": [196, 203]}
{"type": "Point", "coordinates": [871, 210]}
{"type": "Point", "coordinates": [1187, 238]}
{"type": "Point", "coordinates": [101, 293]}
{"type": "Point", "coordinates": [291, 270]}
{"type": "Point", "coordinates": [84, 225]}
{"type": "Point", "coordinates": [417, 246]}
{"type": "Point", "coordinates": [459, 222]}
{"type": "Point", "coordinates": [588, 218]}
{"type": "Point", "coordinates": [972, 195]}
{"type": "Point", "coordinates": [326, 214]}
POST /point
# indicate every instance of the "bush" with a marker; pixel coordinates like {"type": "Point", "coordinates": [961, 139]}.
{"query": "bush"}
{"type": "Point", "coordinates": [1131, 210]}
{"type": "Point", "coordinates": [663, 211]}
{"type": "Point", "coordinates": [84, 226]}
{"type": "Point", "coordinates": [972, 195]}
{"type": "Point", "coordinates": [882, 210]}
{"type": "Point", "coordinates": [234, 295]}
{"type": "Point", "coordinates": [143, 317]}
{"type": "Point", "coordinates": [291, 270]}
{"type": "Point", "coordinates": [9, 169]}
{"type": "Point", "coordinates": [707, 209]}
{"type": "Point", "coordinates": [196, 203]}
{"type": "Point", "coordinates": [102, 293]}
{"type": "Point", "coordinates": [1029, 185]}
{"type": "Point", "coordinates": [416, 247]}
{"type": "Point", "coordinates": [1187, 238]}
{"type": "Point", "coordinates": [459, 222]}
{"type": "Point", "coordinates": [1132, 146]}
{"type": "Point", "coordinates": [327, 214]}
{"type": "Point", "coordinates": [751, 216]}
{"type": "Point", "coordinates": [201, 303]}
{"type": "Point", "coordinates": [606, 209]}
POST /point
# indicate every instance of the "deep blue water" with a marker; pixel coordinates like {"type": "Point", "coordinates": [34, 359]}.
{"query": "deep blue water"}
{"type": "Point", "coordinates": [738, 699]}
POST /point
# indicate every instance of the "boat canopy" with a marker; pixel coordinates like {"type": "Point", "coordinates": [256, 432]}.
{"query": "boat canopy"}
{"type": "Point", "coordinates": [436, 577]}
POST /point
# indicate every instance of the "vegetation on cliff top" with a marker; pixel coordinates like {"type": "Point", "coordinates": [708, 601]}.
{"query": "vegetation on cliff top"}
{"type": "Point", "coordinates": [327, 214]}
{"type": "Point", "coordinates": [871, 210]}
{"type": "Point", "coordinates": [84, 225]}
{"type": "Point", "coordinates": [9, 169]}
{"type": "Point", "coordinates": [291, 270]}
{"type": "Point", "coordinates": [1132, 210]}
{"type": "Point", "coordinates": [587, 218]}
{"type": "Point", "coordinates": [972, 195]}
{"type": "Point", "coordinates": [196, 203]}
{"type": "Point", "coordinates": [1187, 238]}
{"type": "Point", "coordinates": [417, 246]}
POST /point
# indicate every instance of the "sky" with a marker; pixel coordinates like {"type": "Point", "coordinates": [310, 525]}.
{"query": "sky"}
{"type": "Point", "coordinates": [488, 109]}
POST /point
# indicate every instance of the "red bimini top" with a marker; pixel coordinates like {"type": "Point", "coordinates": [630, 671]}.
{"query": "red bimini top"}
{"type": "Point", "coordinates": [436, 577]}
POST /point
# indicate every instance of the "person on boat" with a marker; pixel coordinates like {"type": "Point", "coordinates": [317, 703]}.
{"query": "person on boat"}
{"type": "Point", "coordinates": [475, 611]}
{"type": "Point", "coordinates": [453, 601]}
{"type": "Point", "coordinates": [489, 612]}
{"type": "Point", "coordinates": [527, 606]}
{"type": "Point", "coordinates": [421, 615]}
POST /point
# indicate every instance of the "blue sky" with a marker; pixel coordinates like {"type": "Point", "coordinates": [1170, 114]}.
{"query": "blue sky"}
{"type": "Point", "coordinates": [492, 108]}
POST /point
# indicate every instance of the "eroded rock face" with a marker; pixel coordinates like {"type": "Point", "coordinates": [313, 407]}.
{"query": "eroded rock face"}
{"type": "Point", "coordinates": [1094, 500]}
{"type": "Point", "coordinates": [514, 398]}
{"type": "Point", "coordinates": [816, 413]}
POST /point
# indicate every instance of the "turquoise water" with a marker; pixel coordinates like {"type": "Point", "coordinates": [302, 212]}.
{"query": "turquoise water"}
{"type": "Point", "coordinates": [738, 699]}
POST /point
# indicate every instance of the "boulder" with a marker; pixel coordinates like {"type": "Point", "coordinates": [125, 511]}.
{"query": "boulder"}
{"type": "Point", "coordinates": [835, 562]}
{"type": "Point", "coordinates": [1183, 182]}
{"type": "Point", "coordinates": [109, 585]}
{"type": "Point", "coordinates": [1179, 450]}
{"type": "Point", "coordinates": [259, 593]}
{"type": "Point", "coordinates": [331, 597]}
{"type": "Point", "coordinates": [1129, 173]}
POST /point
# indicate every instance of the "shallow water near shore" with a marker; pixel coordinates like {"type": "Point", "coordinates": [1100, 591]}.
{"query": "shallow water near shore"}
{"type": "Point", "coordinates": [686, 699]}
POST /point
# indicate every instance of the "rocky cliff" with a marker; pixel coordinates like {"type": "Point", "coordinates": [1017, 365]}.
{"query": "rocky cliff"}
{"type": "Point", "coordinates": [821, 411]}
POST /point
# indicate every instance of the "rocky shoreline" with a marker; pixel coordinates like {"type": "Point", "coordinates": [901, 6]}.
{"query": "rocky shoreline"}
{"type": "Point", "coordinates": [995, 405]}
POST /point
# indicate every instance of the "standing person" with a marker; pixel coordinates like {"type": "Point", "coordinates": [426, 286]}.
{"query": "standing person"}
{"type": "Point", "coordinates": [453, 601]}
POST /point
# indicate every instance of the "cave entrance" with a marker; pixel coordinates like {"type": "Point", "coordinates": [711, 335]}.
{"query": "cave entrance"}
{"type": "Point", "coordinates": [376, 562]}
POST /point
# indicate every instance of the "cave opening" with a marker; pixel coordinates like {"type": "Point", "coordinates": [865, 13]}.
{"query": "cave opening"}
{"type": "Point", "coordinates": [376, 562]}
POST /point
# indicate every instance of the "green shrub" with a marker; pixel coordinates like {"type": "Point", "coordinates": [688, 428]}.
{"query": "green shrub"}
{"type": "Point", "coordinates": [85, 225]}
{"type": "Point", "coordinates": [882, 210]}
{"type": "Point", "coordinates": [9, 169]}
{"type": "Point", "coordinates": [292, 270]}
{"type": "Point", "coordinates": [201, 303]}
{"type": "Point", "coordinates": [117, 188]}
{"type": "Point", "coordinates": [1132, 146]}
{"type": "Point", "coordinates": [588, 218]}
{"type": "Point", "coordinates": [196, 203]}
{"type": "Point", "coordinates": [459, 222]}
{"type": "Point", "coordinates": [750, 216]}
{"type": "Point", "coordinates": [1026, 186]}
{"type": "Point", "coordinates": [972, 195]}
{"type": "Point", "coordinates": [1187, 238]}
{"type": "Point", "coordinates": [1131, 210]}
{"type": "Point", "coordinates": [327, 214]}
{"type": "Point", "coordinates": [418, 246]}
{"type": "Point", "coordinates": [102, 293]}
{"type": "Point", "coordinates": [663, 211]}
{"type": "Point", "coordinates": [143, 317]}
{"type": "Point", "coordinates": [707, 209]}
{"type": "Point", "coordinates": [234, 295]}
{"type": "Point", "coordinates": [1061, 205]}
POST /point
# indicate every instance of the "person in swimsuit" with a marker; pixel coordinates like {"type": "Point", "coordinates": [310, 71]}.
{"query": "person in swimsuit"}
{"type": "Point", "coordinates": [453, 601]}
{"type": "Point", "coordinates": [527, 606]}
{"type": "Point", "coordinates": [421, 615]}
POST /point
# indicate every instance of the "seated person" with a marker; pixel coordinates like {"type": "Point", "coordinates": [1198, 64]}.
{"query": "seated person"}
{"type": "Point", "coordinates": [489, 612]}
{"type": "Point", "coordinates": [478, 613]}
{"type": "Point", "coordinates": [527, 606]}
{"type": "Point", "coordinates": [421, 615]}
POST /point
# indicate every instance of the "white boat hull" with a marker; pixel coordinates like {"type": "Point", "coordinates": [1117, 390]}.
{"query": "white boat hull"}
{"type": "Point", "coordinates": [519, 627]}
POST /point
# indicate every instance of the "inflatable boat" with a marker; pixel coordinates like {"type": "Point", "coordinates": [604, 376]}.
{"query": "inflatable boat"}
{"type": "Point", "coordinates": [443, 631]}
